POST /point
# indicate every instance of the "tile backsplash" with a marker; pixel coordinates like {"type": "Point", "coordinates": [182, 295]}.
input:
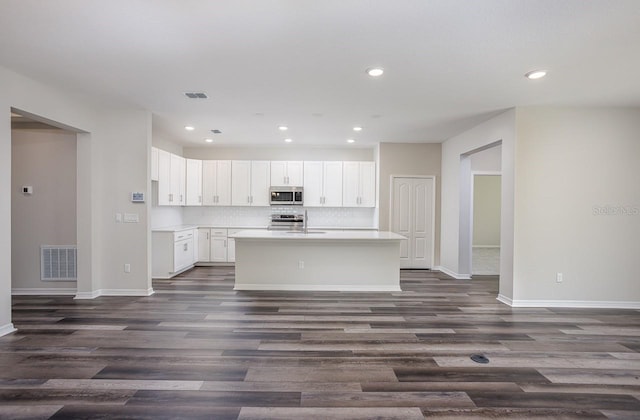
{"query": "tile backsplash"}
{"type": "Point", "coordinates": [259, 216]}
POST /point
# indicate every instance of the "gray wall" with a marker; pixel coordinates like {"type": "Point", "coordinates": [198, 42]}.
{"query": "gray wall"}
{"type": "Point", "coordinates": [46, 160]}
{"type": "Point", "coordinates": [486, 210]}
{"type": "Point", "coordinates": [577, 206]}
{"type": "Point", "coordinates": [409, 159]}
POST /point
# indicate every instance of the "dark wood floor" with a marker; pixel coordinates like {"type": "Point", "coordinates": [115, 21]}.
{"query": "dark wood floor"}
{"type": "Point", "coordinates": [197, 349]}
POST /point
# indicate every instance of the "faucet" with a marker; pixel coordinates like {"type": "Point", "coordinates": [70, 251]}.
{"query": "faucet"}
{"type": "Point", "coordinates": [306, 223]}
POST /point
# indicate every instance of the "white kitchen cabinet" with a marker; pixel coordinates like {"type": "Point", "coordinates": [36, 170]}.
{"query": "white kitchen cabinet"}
{"type": "Point", "coordinates": [322, 184]}
{"type": "Point", "coordinates": [250, 183]}
{"type": "Point", "coordinates": [359, 184]}
{"type": "Point", "coordinates": [172, 252]}
{"type": "Point", "coordinates": [216, 182]}
{"type": "Point", "coordinates": [171, 179]}
{"type": "Point", "coordinates": [193, 190]}
{"type": "Point", "coordinates": [204, 244]}
{"type": "Point", "coordinates": [286, 173]}
{"type": "Point", "coordinates": [218, 245]}
{"type": "Point", "coordinates": [154, 164]}
{"type": "Point", "coordinates": [178, 175]}
{"type": "Point", "coordinates": [164, 178]}
{"type": "Point", "coordinates": [231, 245]}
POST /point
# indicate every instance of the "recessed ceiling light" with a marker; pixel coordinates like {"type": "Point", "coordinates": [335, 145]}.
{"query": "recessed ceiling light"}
{"type": "Point", "coordinates": [283, 128]}
{"type": "Point", "coordinates": [189, 128]}
{"type": "Point", "coordinates": [357, 128]}
{"type": "Point", "coordinates": [288, 140]}
{"type": "Point", "coordinates": [209, 140]}
{"type": "Point", "coordinates": [351, 141]}
{"type": "Point", "coordinates": [375, 71]}
{"type": "Point", "coordinates": [535, 74]}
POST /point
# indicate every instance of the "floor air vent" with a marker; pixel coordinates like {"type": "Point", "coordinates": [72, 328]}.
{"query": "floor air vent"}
{"type": "Point", "coordinates": [58, 263]}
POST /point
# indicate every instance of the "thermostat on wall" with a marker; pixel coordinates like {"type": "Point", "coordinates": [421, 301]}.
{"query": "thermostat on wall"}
{"type": "Point", "coordinates": [27, 190]}
{"type": "Point", "coordinates": [137, 197]}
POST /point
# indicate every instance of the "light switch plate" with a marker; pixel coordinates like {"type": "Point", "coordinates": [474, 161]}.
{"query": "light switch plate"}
{"type": "Point", "coordinates": [131, 218]}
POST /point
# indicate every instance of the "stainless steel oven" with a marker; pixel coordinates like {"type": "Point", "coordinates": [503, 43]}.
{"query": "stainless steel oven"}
{"type": "Point", "coordinates": [286, 196]}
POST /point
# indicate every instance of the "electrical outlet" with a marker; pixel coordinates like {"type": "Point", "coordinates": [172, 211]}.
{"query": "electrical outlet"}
{"type": "Point", "coordinates": [118, 217]}
{"type": "Point", "coordinates": [559, 278]}
{"type": "Point", "coordinates": [301, 264]}
{"type": "Point", "coordinates": [127, 268]}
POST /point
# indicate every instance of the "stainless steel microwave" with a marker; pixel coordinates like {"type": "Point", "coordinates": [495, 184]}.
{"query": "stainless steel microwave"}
{"type": "Point", "coordinates": [286, 196]}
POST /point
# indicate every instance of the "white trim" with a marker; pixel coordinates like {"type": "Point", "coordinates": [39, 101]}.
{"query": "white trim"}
{"type": "Point", "coordinates": [126, 292]}
{"type": "Point", "coordinates": [453, 274]}
{"type": "Point", "coordinates": [114, 292]}
{"type": "Point", "coordinates": [485, 246]}
{"type": "Point", "coordinates": [538, 303]}
{"type": "Point", "coordinates": [505, 300]}
{"type": "Point", "coordinates": [7, 329]}
{"type": "Point", "coordinates": [433, 211]}
{"type": "Point", "coordinates": [43, 291]}
{"type": "Point", "coordinates": [316, 287]}
{"type": "Point", "coordinates": [87, 295]}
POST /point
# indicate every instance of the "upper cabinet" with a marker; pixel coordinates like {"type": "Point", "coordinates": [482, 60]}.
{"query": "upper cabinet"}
{"type": "Point", "coordinates": [286, 173]}
{"type": "Point", "coordinates": [323, 184]}
{"type": "Point", "coordinates": [154, 164]}
{"type": "Point", "coordinates": [171, 179]}
{"type": "Point", "coordinates": [250, 182]}
{"type": "Point", "coordinates": [216, 182]}
{"type": "Point", "coordinates": [359, 184]}
{"type": "Point", "coordinates": [194, 182]}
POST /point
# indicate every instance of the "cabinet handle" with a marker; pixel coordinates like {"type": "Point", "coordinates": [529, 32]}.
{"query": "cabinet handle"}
{"type": "Point", "coordinates": [170, 198]}
{"type": "Point", "coordinates": [251, 200]}
{"type": "Point", "coordinates": [181, 198]}
{"type": "Point", "coordinates": [186, 247]}
{"type": "Point", "coordinates": [248, 199]}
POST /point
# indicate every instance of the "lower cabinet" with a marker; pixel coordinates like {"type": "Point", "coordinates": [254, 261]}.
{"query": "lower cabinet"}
{"type": "Point", "coordinates": [172, 252]}
{"type": "Point", "coordinates": [215, 246]}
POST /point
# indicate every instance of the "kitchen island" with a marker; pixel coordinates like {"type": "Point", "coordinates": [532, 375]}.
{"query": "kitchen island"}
{"type": "Point", "coordinates": [317, 260]}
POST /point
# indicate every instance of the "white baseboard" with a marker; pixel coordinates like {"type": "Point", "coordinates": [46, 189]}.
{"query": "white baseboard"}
{"type": "Point", "coordinates": [596, 304]}
{"type": "Point", "coordinates": [505, 300]}
{"type": "Point", "coordinates": [7, 329]}
{"type": "Point", "coordinates": [114, 292]}
{"type": "Point", "coordinates": [486, 246]}
{"type": "Point", "coordinates": [316, 287]}
{"type": "Point", "coordinates": [44, 291]}
{"type": "Point", "coordinates": [453, 274]}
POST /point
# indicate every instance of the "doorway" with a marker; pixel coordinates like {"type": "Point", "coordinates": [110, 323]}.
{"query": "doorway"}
{"type": "Point", "coordinates": [486, 202]}
{"type": "Point", "coordinates": [412, 214]}
{"type": "Point", "coordinates": [44, 215]}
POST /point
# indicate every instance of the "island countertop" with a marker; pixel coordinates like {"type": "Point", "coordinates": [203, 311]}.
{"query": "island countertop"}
{"type": "Point", "coordinates": [318, 235]}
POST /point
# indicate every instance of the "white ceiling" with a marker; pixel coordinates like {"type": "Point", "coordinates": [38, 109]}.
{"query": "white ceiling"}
{"type": "Point", "coordinates": [449, 64]}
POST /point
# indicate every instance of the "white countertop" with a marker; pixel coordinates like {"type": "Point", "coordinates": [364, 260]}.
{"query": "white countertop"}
{"type": "Point", "coordinates": [180, 228]}
{"type": "Point", "coordinates": [357, 235]}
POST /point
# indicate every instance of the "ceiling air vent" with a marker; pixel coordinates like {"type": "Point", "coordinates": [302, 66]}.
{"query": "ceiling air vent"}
{"type": "Point", "coordinates": [216, 131]}
{"type": "Point", "coordinates": [196, 95]}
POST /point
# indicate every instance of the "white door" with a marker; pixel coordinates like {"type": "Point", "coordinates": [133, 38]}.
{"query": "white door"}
{"type": "Point", "coordinates": [412, 216]}
{"type": "Point", "coordinates": [218, 249]}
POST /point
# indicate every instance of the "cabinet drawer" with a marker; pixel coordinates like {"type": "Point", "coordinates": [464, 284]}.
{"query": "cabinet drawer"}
{"type": "Point", "coordinates": [219, 232]}
{"type": "Point", "coordinates": [182, 235]}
